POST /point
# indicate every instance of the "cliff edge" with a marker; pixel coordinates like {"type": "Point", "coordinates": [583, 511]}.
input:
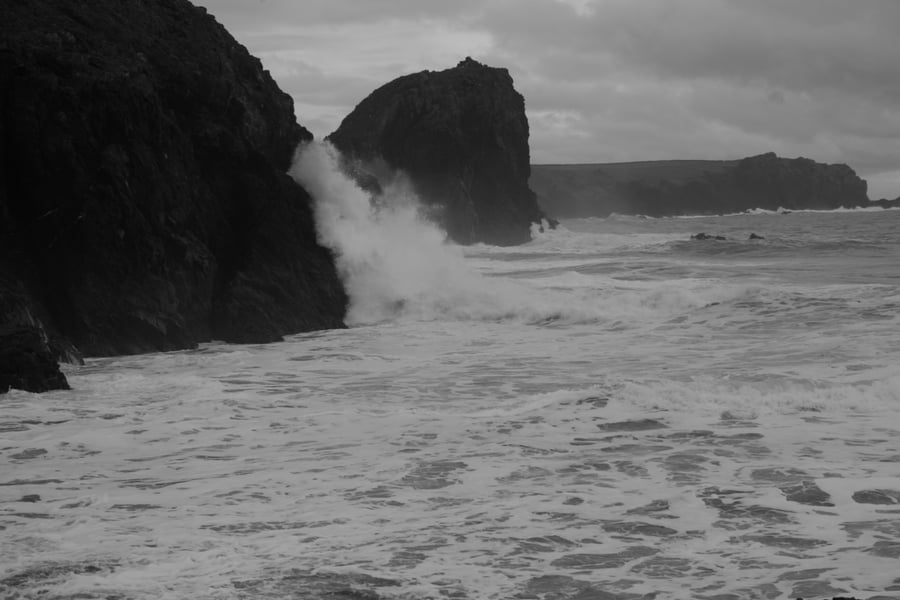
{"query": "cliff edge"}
{"type": "Point", "coordinates": [144, 199]}
{"type": "Point", "coordinates": [461, 135]}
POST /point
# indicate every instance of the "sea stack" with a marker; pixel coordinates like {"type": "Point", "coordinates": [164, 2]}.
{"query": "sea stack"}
{"type": "Point", "coordinates": [461, 135]}
{"type": "Point", "coordinates": [143, 191]}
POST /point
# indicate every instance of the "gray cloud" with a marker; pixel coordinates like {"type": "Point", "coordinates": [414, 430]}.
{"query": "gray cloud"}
{"type": "Point", "coordinates": [269, 14]}
{"type": "Point", "coordinates": [617, 79]}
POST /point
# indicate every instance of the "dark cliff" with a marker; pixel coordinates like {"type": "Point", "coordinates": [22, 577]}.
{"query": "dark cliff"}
{"type": "Point", "coordinates": [669, 188]}
{"type": "Point", "coordinates": [885, 203]}
{"type": "Point", "coordinates": [143, 194]}
{"type": "Point", "coordinates": [461, 135]}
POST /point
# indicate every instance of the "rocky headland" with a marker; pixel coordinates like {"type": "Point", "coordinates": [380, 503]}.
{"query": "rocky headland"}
{"type": "Point", "coordinates": [144, 201]}
{"type": "Point", "coordinates": [696, 187]}
{"type": "Point", "coordinates": [885, 203]}
{"type": "Point", "coordinates": [461, 136]}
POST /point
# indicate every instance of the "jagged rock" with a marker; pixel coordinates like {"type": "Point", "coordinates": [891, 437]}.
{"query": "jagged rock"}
{"type": "Point", "coordinates": [707, 236]}
{"type": "Point", "coordinates": [754, 236]}
{"type": "Point", "coordinates": [461, 135]}
{"type": "Point", "coordinates": [144, 201]}
{"type": "Point", "coordinates": [685, 187]}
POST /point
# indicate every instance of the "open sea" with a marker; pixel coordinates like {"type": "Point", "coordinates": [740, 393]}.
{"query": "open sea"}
{"type": "Point", "coordinates": [612, 411]}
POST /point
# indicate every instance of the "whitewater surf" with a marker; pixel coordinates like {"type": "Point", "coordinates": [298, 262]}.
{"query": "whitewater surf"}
{"type": "Point", "coordinates": [613, 410]}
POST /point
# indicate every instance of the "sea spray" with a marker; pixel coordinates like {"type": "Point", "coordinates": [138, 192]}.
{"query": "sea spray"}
{"type": "Point", "coordinates": [396, 264]}
{"type": "Point", "coordinates": [390, 258]}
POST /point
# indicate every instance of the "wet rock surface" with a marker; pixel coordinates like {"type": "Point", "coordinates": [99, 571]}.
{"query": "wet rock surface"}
{"type": "Point", "coordinates": [144, 203]}
{"type": "Point", "coordinates": [461, 135]}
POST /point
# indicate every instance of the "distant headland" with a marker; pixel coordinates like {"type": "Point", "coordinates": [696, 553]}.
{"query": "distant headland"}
{"type": "Point", "coordinates": [698, 187]}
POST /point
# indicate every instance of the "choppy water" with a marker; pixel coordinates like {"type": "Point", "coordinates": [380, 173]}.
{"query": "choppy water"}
{"type": "Point", "coordinates": [611, 411]}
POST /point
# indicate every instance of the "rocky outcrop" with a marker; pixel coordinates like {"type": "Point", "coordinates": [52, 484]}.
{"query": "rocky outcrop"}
{"type": "Point", "coordinates": [28, 358]}
{"type": "Point", "coordinates": [885, 203]}
{"type": "Point", "coordinates": [670, 188]}
{"type": "Point", "coordinates": [461, 135]}
{"type": "Point", "coordinates": [26, 361]}
{"type": "Point", "coordinates": [143, 190]}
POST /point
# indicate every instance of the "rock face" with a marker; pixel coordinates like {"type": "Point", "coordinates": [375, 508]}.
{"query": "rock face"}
{"type": "Point", "coordinates": [144, 203]}
{"type": "Point", "coordinates": [27, 363]}
{"type": "Point", "coordinates": [669, 188]}
{"type": "Point", "coordinates": [461, 135]}
{"type": "Point", "coordinates": [798, 183]}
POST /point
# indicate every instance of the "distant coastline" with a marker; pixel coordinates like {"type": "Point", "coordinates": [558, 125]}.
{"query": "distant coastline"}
{"type": "Point", "coordinates": [698, 187]}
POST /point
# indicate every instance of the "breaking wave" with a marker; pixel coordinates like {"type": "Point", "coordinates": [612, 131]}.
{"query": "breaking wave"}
{"type": "Point", "coordinates": [389, 257]}
{"type": "Point", "coordinates": [396, 264]}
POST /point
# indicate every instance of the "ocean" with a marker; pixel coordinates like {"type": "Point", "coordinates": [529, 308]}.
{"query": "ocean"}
{"type": "Point", "coordinates": [612, 410]}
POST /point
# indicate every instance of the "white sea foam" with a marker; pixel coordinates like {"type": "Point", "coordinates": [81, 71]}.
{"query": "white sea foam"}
{"type": "Point", "coordinates": [388, 256]}
{"type": "Point", "coordinates": [784, 211]}
{"type": "Point", "coordinates": [622, 419]}
{"type": "Point", "coordinates": [396, 264]}
{"type": "Point", "coordinates": [221, 480]}
{"type": "Point", "coordinates": [768, 399]}
{"type": "Point", "coordinates": [564, 241]}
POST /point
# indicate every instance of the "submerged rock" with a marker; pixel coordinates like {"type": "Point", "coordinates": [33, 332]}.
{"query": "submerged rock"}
{"type": "Point", "coordinates": [144, 203]}
{"type": "Point", "coordinates": [461, 135]}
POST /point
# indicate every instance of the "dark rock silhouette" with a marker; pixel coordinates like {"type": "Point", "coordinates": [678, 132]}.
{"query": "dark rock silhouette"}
{"type": "Point", "coordinates": [798, 183]}
{"type": "Point", "coordinates": [143, 194]}
{"type": "Point", "coordinates": [708, 236]}
{"type": "Point", "coordinates": [696, 187]}
{"type": "Point", "coordinates": [754, 236]}
{"type": "Point", "coordinates": [26, 361]}
{"type": "Point", "coordinates": [885, 203]}
{"type": "Point", "coordinates": [461, 135]}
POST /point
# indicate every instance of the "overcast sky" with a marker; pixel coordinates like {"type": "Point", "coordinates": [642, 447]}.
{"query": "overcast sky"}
{"type": "Point", "coordinates": [615, 80]}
